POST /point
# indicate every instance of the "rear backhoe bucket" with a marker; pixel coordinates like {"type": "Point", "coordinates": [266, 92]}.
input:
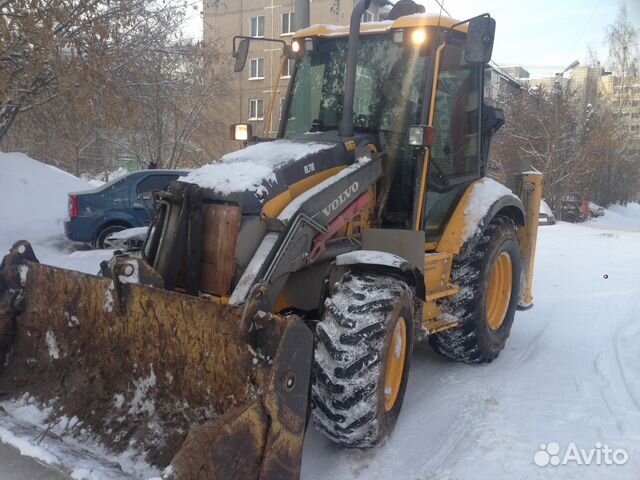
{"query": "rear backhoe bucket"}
{"type": "Point", "coordinates": [212, 390]}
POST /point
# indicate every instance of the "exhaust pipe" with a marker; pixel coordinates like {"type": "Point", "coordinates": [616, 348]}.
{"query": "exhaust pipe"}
{"type": "Point", "coordinates": [346, 125]}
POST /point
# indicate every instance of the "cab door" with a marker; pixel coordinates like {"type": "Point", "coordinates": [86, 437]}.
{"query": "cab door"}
{"type": "Point", "coordinates": [454, 159]}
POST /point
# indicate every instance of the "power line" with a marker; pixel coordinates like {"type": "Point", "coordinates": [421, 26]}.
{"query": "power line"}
{"type": "Point", "coordinates": [584, 29]}
{"type": "Point", "coordinates": [441, 5]}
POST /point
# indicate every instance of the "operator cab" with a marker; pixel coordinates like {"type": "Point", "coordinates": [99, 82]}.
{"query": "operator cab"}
{"type": "Point", "coordinates": [418, 99]}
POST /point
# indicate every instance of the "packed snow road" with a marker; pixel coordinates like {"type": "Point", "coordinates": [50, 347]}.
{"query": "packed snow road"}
{"type": "Point", "coordinates": [568, 380]}
{"type": "Point", "coordinates": [570, 375]}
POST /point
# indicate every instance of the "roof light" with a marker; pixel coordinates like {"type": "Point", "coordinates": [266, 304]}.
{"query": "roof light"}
{"type": "Point", "coordinates": [309, 45]}
{"type": "Point", "coordinates": [398, 36]}
{"type": "Point", "coordinates": [295, 46]}
{"type": "Point", "coordinates": [418, 36]}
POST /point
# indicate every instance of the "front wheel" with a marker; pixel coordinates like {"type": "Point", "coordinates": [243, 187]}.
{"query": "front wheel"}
{"type": "Point", "coordinates": [104, 233]}
{"type": "Point", "coordinates": [488, 275]}
{"type": "Point", "coordinates": [362, 358]}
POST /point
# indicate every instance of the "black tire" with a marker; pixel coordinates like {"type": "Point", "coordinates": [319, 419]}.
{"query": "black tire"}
{"type": "Point", "coordinates": [475, 341]}
{"type": "Point", "coordinates": [105, 232]}
{"type": "Point", "coordinates": [354, 337]}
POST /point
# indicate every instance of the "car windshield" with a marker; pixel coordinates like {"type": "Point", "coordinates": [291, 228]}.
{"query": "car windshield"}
{"type": "Point", "coordinates": [389, 86]}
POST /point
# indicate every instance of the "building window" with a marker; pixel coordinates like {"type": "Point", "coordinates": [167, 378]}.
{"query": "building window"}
{"type": "Point", "coordinates": [257, 69]}
{"type": "Point", "coordinates": [368, 16]}
{"type": "Point", "coordinates": [257, 26]}
{"type": "Point", "coordinates": [288, 23]}
{"type": "Point", "coordinates": [256, 109]}
{"type": "Point", "coordinates": [288, 68]}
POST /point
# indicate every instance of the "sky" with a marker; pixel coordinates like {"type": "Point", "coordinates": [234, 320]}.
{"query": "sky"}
{"type": "Point", "coordinates": [543, 36]}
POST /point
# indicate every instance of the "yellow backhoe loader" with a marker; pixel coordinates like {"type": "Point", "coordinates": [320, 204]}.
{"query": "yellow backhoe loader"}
{"type": "Point", "coordinates": [288, 282]}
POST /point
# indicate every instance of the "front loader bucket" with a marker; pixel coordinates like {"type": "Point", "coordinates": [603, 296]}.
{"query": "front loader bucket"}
{"type": "Point", "coordinates": [181, 378]}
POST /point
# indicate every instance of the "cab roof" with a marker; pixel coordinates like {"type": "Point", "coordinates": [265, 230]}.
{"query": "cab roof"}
{"type": "Point", "coordinates": [409, 21]}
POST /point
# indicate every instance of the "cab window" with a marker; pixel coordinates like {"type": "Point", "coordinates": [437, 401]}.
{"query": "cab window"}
{"type": "Point", "coordinates": [454, 158]}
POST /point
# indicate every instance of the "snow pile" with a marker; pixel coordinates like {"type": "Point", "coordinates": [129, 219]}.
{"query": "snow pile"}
{"type": "Point", "coordinates": [620, 217]}
{"type": "Point", "coordinates": [630, 211]}
{"type": "Point", "coordinates": [484, 194]}
{"type": "Point", "coordinates": [249, 168]}
{"type": "Point", "coordinates": [35, 200]}
{"type": "Point", "coordinates": [34, 206]}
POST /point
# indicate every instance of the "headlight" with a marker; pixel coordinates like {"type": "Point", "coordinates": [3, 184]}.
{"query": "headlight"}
{"type": "Point", "coordinates": [421, 136]}
{"type": "Point", "coordinates": [418, 36]}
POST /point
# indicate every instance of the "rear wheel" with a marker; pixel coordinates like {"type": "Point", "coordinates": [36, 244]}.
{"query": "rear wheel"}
{"type": "Point", "coordinates": [362, 358]}
{"type": "Point", "coordinates": [488, 275]}
{"type": "Point", "coordinates": [105, 232]}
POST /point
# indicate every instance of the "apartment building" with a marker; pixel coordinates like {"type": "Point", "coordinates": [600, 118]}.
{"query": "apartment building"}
{"type": "Point", "coordinates": [498, 84]}
{"type": "Point", "coordinates": [517, 71]}
{"type": "Point", "coordinates": [623, 96]}
{"type": "Point", "coordinates": [250, 92]}
{"type": "Point", "coordinates": [592, 85]}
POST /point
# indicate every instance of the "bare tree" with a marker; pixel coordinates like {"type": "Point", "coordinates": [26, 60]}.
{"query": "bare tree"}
{"type": "Point", "coordinates": [540, 133]}
{"type": "Point", "coordinates": [175, 88]}
{"type": "Point", "coordinates": [129, 89]}
{"type": "Point", "coordinates": [622, 38]}
{"type": "Point", "coordinates": [49, 46]}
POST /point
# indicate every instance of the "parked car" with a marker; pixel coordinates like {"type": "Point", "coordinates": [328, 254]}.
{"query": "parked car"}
{"type": "Point", "coordinates": [128, 240]}
{"type": "Point", "coordinates": [546, 215]}
{"type": "Point", "coordinates": [117, 205]}
{"type": "Point", "coordinates": [571, 208]}
{"type": "Point", "coordinates": [596, 210]}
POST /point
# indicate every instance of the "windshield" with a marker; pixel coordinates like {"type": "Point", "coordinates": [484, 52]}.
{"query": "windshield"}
{"type": "Point", "coordinates": [388, 94]}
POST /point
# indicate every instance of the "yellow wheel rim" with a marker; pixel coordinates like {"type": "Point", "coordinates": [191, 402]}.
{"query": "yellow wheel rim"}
{"type": "Point", "coordinates": [395, 364]}
{"type": "Point", "coordinates": [499, 292]}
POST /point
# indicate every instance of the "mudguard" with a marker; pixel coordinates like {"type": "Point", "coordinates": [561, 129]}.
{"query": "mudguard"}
{"type": "Point", "coordinates": [384, 261]}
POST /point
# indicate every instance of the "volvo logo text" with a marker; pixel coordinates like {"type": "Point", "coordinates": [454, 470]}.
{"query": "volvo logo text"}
{"type": "Point", "coordinates": [344, 196]}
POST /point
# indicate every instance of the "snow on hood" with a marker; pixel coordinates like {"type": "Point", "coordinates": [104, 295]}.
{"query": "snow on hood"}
{"type": "Point", "coordinates": [545, 208]}
{"type": "Point", "coordinates": [484, 194]}
{"type": "Point", "coordinates": [247, 169]}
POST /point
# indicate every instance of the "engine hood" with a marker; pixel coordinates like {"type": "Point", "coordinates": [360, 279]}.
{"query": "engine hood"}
{"type": "Point", "coordinates": [252, 176]}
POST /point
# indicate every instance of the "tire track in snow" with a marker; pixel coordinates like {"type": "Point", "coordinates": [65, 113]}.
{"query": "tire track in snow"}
{"type": "Point", "coordinates": [487, 386]}
{"type": "Point", "coordinates": [623, 371]}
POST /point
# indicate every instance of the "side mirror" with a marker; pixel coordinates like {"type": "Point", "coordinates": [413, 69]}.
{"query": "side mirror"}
{"type": "Point", "coordinates": [422, 136]}
{"type": "Point", "coordinates": [480, 35]}
{"type": "Point", "coordinates": [241, 55]}
{"type": "Point", "coordinates": [241, 131]}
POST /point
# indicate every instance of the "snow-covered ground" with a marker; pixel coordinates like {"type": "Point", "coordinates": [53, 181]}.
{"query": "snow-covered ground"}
{"type": "Point", "coordinates": [570, 373]}
{"type": "Point", "coordinates": [34, 206]}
